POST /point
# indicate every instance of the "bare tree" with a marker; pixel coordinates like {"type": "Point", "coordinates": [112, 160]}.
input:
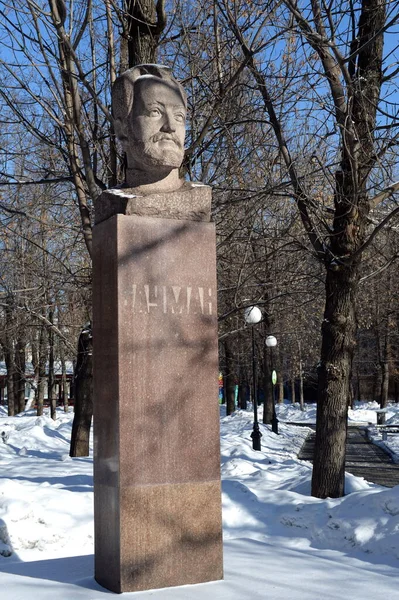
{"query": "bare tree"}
{"type": "Point", "coordinates": [343, 50]}
{"type": "Point", "coordinates": [83, 391]}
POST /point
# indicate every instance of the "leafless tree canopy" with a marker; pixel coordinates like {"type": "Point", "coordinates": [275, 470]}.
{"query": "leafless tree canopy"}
{"type": "Point", "coordinates": [293, 119]}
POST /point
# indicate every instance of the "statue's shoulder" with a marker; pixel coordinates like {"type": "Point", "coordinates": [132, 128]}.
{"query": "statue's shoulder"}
{"type": "Point", "coordinates": [191, 201]}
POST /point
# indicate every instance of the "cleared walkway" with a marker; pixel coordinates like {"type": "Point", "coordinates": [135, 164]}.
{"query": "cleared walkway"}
{"type": "Point", "coordinates": [363, 458]}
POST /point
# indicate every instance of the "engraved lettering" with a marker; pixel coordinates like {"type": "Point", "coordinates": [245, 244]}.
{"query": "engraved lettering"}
{"type": "Point", "coordinates": [173, 299]}
{"type": "Point", "coordinates": [201, 298]}
{"type": "Point", "coordinates": [164, 303]}
{"type": "Point", "coordinates": [147, 296]}
{"type": "Point", "coordinates": [139, 300]}
{"type": "Point", "coordinates": [175, 309]}
{"type": "Point", "coordinates": [198, 301]}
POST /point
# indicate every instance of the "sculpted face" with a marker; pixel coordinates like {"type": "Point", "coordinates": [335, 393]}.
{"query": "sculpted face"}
{"type": "Point", "coordinates": [156, 128]}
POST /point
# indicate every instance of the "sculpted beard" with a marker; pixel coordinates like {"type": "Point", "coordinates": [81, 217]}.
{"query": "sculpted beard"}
{"type": "Point", "coordinates": [152, 154]}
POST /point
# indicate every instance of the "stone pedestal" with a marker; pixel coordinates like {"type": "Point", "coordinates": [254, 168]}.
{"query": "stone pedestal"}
{"type": "Point", "coordinates": [156, 421]}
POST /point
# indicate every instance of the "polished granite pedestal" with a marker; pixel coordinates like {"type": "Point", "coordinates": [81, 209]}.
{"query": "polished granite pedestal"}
{"type": "Point", "coordinates": [156, 415]}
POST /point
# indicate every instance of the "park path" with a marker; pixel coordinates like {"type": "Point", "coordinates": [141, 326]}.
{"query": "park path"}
{"type": "Point", "coordinates": [363, 458]}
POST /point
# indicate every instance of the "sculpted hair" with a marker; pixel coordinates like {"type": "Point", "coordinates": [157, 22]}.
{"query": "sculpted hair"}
{"type": "Point", "coordinates": [123, 88]}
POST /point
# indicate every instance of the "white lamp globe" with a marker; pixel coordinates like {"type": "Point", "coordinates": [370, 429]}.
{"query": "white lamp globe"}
{"type": "Point", "coordinates": [271, 341]}
{"type": "Point", "coordinates": [252, 315]}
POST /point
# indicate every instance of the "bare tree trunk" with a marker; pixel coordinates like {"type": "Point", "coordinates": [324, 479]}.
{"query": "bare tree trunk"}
{"type": "Point", "coordinates": [242, 394]}
{"type": "Point", "coordinates": [351, 399]}
{"type": "Point", "coordinates": [242, 388]}
{"type": "Point", "coordinates": [113, 162]}
{"type": "Point", "coordinates": [280, 385]}
{"type": "Point", "coordinates": [293, 391]}
{"type": "Point", "coordinates": [64, 390]}
{"type": "Point", "coordinates": [230, 377]}
{"type": "Point", "coordinates": [352, 207]}
{"type": "Point", "coordinates": [355, 90]}
{"type": "Point", "coordinates": [338, 342]}
{"type": "Point", "coordinates": [83, 387]}
{"type": "Point", "coordinates": [384, 389]}
{"type": "Point", "coordinates": [41, 371]}
{"type": "Point", "coordinates": [35, 365]}
{"type": "Point", "coordinates": [19, 375]}
{"type": "Point", "coordinates": [385, 359]}
{"type": "Point", "coordinates": [301, 396]}
{"type": "Point", "coordinates": [376, 389]}
{"type": "Point", "coordinates": [300, 370]}
{"type": "Point", "coordinates": [10, 366]}
{"type": "Point", "coordinates": [268, 387]}
{"type": "Point", "coordinates": [359, 396]}
{"type": "Point", "coordinates": [8, 348]}
{"type": "Point", "coordinates": [146, 20]}
{"type": "Point", "coordinates": [51, 375]}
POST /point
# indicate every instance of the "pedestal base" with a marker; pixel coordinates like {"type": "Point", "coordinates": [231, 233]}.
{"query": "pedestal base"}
{"type": "Point", "coordinates": [156, 414]}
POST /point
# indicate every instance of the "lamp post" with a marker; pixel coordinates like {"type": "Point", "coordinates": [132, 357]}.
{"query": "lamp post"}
{"type": "Point", "coordinates": [271, 343]}
{"type": "Point", "coordinates": [253, 316]}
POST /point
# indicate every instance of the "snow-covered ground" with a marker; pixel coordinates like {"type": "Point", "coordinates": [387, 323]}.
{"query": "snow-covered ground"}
{"type": "Point", "coordinates": [280, 543]}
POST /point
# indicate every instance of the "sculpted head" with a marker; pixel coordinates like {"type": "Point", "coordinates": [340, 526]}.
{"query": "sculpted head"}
{"type": "Point", "coordinates": [149, 109]}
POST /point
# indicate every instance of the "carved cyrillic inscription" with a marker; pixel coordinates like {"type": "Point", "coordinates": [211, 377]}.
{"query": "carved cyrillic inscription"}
{"type": "Point", "coordinates": [172, 299]}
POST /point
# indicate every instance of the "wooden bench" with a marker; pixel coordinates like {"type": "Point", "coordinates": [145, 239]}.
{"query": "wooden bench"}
{"type": "Point", "coordinates": [385, 430]}
{"type": "Point", "coordinates": [388, 430]}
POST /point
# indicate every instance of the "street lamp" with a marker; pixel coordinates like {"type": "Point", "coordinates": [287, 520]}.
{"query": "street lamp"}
{"type": "Point", "coordinates": [271, 343]}
{"type": "Point", "coordinates": [252, 316]}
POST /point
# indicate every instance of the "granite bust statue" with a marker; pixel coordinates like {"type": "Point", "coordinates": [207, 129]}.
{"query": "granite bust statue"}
{"type": "Point", "coordinates": [149, 108]}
